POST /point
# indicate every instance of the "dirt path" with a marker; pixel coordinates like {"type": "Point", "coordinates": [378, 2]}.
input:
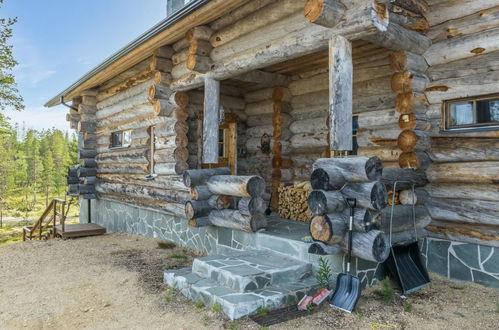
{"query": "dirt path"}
{"type": "Point", "coordinates": [115, 282]}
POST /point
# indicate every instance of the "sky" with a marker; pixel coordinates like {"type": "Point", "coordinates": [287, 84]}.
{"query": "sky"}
{"type": "Point", "coordinates": [58, 41]}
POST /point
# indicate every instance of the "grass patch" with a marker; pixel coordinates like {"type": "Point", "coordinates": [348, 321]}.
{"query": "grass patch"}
{"type": "Point", "coordinates": [264, 328]}
{"type": "Point", "coordinates": [497, 308]}
{"type": "Point", "coordinates": [456, 287]}
{"type": "Point", "coordinates": [216, 308]}
{"type": "Point", "coordinates": [167, 298]}
{"type": "Point", "coordinates": [359, 313]}
{"type": "Point", "coordinates": [233, 326]}
{"type": "Point", "coordinates": [386, 292]}
{"type": "Point", "coordinates": [262, 311]}
{"type": "Point", "coordinates": [199, 305]}
{"type": "Point", "coordinates": [180, 256]}
{"type": "Point", "coordinates": [166, 245]}
{"type": "Point", "coordinates": [407, 306]}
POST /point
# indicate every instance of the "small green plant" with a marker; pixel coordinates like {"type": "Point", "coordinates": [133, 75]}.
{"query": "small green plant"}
{"type": "Point", "coordinates": [324, 273]}
{"type": "Point", "coordinates": [262, 311]}
{"type": "Point", "coordinates": [199, 304]}
{"type": "Point", "coordinates": [233, 326]}
{"type": "Point", "coordinates": [216, 308]}
{"type": "Point", "coordinates": [407, 306]}
{"type": "Point", "coordinates": [360, 313]}
{"type": "Point", "coordinates": [264, 328]}
{"type": "Point", "coordinates": [386, 292]}
{"type": "Point", "coordinates": [179, 256]}
{"type": "Point", "coordinates": [310, 308]}
{"type": "Point", "coordinates": [166, 245]}
{"type": "Point", "coordinates": [185, 250]}
{"type": "Point", "coordinates": [168, 298]}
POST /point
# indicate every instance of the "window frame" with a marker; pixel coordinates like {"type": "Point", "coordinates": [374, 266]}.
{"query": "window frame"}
{"type": "Point", "coordinates": [446, 127]}
{"type": "Point", "coordinates": [112, 146]}
{"type": "Point", "coordinates": [229, 141]}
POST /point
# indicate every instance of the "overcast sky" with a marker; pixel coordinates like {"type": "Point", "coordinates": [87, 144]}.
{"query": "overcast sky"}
{"type": "Point", "coordinates": [58, 41]}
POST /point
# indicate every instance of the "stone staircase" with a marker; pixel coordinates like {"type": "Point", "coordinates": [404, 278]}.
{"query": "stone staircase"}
{"type": "Point", "coordinates": [244, 282]}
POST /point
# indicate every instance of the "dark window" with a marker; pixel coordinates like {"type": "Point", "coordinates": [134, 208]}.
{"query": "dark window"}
{"type": "Point", "coordinates": [121, 139]}
{"type": "Point", "coordinates": [472, 113]}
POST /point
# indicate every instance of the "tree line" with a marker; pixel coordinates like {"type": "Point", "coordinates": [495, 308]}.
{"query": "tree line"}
{"type": "Point", "coordinates": [33, 165]}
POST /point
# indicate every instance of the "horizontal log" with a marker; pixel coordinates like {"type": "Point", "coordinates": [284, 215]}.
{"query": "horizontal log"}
{"type": "Point", "coordinates": [125, 94]}
{"type": "Point", "coordinates": [251, 206]}
{"type": "Point", "coordinates": [172, 182]}
{"type": "Point", "coordinates": [468, 66]}
{"type": "Point", "coordinates": [266, 119]}
{"type": "Point", "coordinates": [406, 177]}
{"type": "Point", "coordinates": [407, 103]}
{"type": "Point", "coordinates": [403, 219]}
{"type": "Point", "coordinates": [197, 209]}
{"type": "Point", "coordinates": [371, 246]}
{"type": "Point", "coordinates": [326, 13]}
{"type": "Point", "coordinates": [120, 168]}
{"type": "Point", "coordinates": [469, 191]}
{"type": "Point", "coordinates": [241, 186]}
{"type": "Point", "coordinates": [123, 155]}
{"type": "Point", "coordinates": [235, 220]}
{"type": "Point", "coordinates": [194, 178]}
{"type": "Point", "coordinates": [171, 168]}
{"type": "Point", "coordinates": [353, 169]}
{"type": "Point", "coordinates": [266, 94]}
{"type": "Point", "coordinates": [466, 233]}
{"type": "Point", "coordinates": [413, 141]}
{"type": "Point", "coordinates": [414, 122]}
{"type": "Point", "coordinates": [388, 153]}
{"type": "Point", "coordinates": [405, 61]}
{"type": "Point", "coordinates": [220, 202]}
{"type": "Point", "coordinates": [320, 248]}
{"type": "Point", "coordinates": [87, 153]}
{"type": "Point", "coordinates": [398, 38]}
{"type": "Point", "coordinates": [143, 192]}
{"type": "Point", "coordinates": [265, 107]}
{"type": "Point", "coordinates": [485, 172]}
{"type": "Point", "coordinates": [416, 160]}
{"type": "Point", "coordinates": [464, 149]}
{"type": "Point", "coordinates": [201, 32]}
{"type": "Point", "coordinates": [322, 202]}
{"type": "Point", "coordinates": [200, 193]}
{"type": "Point", "coordinates": [328, 229]}
{"type": "Point", "coordinates": [86, 171]}
{"type": "Point", "coordinates": [407, 81]}
{"type": "Point", "coordinates": [88, 162]}
{"type": "Point", "coordinates": [157, 91]}
{"type": "Point", "coordinates": [371, 195]}
{"type": "Point", "coordinates": [309, 125]}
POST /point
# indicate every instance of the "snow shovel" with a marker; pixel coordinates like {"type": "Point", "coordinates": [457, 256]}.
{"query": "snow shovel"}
{"type": "Point", "coordinates": [348, 287]}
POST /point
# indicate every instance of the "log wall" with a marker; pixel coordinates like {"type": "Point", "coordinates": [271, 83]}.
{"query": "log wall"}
{"type": "Point", "coordinates": [463, 62]}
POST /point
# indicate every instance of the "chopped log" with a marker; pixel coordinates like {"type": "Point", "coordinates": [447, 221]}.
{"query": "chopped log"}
{"type": "Point", "coordinates": [413, 141]}
{"type": "Point", "coordinates": [417, 160]}
{"type": "Point", "coordinates": [90, 180]}
{"type": "Point", "coordinates": [327, 13]}
{"type": "Point", "coordinates": [197, 209]}
{"type": "Point", "coordinates": [353, 169]}
{"type": "Point", "coordinates": [322, 202]}
{"type": "Point", "coordinates": [251, 206]}
{"type": "Point", "coordinates": [398, 38]}
{"type": "Point", "coordinates": [411, 102]}
{"type": "Point", "coordinates": [414, 122]}
{"type": "Point", "coordinates": [193, 178]}
{"type": "Point", "coordinates": [235, 220]}
{"type": "Point", "coordinates": [327, 228]}
{"type": "Point", "coordinates": [241, 186]}
{"type": "Point", "coordinates": [340, 93]}
{"type": "Point", "coordinates": [371, 246]}
{"type": "Point", "coordinates": [200, 47]}
{"type": "Point", "coordinates": [371, 195]}
{"type": "Point", "coordinates": [161, 64]}
{"type": "Point", "coordinates": [200, 193]}
{"type": "Point", "coordinates": [407, 81]}
{"type": "Point", "coordinates": [199, 222]}
{"type": "Point", "coordinates": [199, 63]}
{"type": "Point", "coordinates": [409, 176]}
{"type": "Point", "coordinates": [211, 121]}
{"type": "Point", "coordinates": [157, 91]}
{"type": "Point", "coordinates": [402, 61]}
{"type": "Point", "coordinates": [162, 78]}
{"type": "Point", "coordinates": [171, 168]}
{"type": "Point", "coordinates": [87, 153]}
{"type": "Point", "coordinates": [199, 33]}
{"type": "Point", "coordinates": [403, 218]}
{"type": "Point", "coordinates": [88, 162]}
{"type": "Point", "coordinates": [330, 179]}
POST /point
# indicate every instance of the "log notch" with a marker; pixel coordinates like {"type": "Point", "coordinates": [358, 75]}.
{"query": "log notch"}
{"type": "Point", "coordinates": [211, 121]}
{"type": "Point", "coordinates": [198, 58]}
{"type": "Point", "coordinates": [409, 80]}
{"type": "Point", "coordinates": [327, 13]}
{"type": "Point", "coordinates": [277, 99]}
{"type": "Point", "coordinates": [340, 93]}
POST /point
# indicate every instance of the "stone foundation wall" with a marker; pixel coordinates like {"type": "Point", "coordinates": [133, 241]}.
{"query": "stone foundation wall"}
{"type": "Point", "coordinates": [458, 261]}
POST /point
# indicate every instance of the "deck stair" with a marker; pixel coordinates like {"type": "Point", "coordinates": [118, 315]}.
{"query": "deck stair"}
{"type": "Point", "coordinates": [243, 283]}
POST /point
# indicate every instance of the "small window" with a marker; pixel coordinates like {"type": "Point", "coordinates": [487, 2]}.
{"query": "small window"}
{"type": "Point", "coordinates": [472, 113]}
{"type": "Point", "coordinates": [121, 139]}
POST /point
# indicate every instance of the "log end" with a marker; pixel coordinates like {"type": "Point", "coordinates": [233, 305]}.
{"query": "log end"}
{"type": "Point", "coordinates": [321, 228]}
{"type": "Point", "coordinates": [313, 10]}
{"type": "Point", "coordinates": [374, 168]}
{"type": "Point", "coordinates": [380, 248]}
{"type": "Point", "coordinates": [317, 202]}
{"type": "Point", "coordinates": [379, 196]}
{"type": "Point", "coordinates": [256, 186]}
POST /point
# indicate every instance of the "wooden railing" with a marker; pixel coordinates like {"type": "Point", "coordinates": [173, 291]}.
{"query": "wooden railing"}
{"type": "Point", "coordinates": [46, 224]}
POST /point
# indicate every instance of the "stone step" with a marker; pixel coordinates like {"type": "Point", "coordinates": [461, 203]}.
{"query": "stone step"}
{"type": "Point", "coordinates": [251, 270]}
{"type": "Point", "coordinates": [237, 304]}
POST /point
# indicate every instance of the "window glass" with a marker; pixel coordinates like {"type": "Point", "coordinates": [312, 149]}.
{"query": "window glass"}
{"type": "Point", "coordinates": [487, 111]}
{"type": "Point", "coordinates": [127, 138]}
{"type": "Point", "coordinates": [116, 140]}
{"type": "Point", "coordinates": [121, 139]}
{"type": "Point", "coordinates": [461, 114]}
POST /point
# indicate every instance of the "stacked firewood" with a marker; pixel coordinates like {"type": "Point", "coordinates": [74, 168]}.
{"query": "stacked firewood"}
{"type": "Point", "coordinates": [336, 179]}
{"type": "Point", "coordinates": [224, 200]}
{"type": "Point", "coordinates": [293, 201]}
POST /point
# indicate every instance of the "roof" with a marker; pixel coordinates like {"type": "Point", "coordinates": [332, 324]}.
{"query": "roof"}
{"type": "Point", "coordinates": [141, 40]}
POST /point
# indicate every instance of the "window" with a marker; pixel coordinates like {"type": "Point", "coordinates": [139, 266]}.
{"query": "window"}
{"type": "Point", "coordinates": [121, 139]}
{"type": "Point", "coordinates": [227, 139]}
{"type": "Point", "coordinates": [472, 113]}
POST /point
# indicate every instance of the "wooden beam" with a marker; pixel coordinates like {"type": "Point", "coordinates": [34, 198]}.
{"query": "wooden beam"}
{"type": "Point", "coordinates": [398, 38]}
{"type": "Point", "coordinates": [263, 78]}
{"type": "Point", "coordinates": [211, 120]}
{"type": "Point", "coordinates": [340, 93]}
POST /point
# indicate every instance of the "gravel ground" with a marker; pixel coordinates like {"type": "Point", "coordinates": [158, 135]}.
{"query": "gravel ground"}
{"type": "Point", "coordinates": [115, 282]}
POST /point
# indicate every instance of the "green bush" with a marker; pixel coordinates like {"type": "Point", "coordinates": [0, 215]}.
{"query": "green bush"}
{"type": "Point", "coordinates": [324, 273]}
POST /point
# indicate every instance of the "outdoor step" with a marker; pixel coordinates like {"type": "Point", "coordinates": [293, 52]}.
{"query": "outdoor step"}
{"type": "Point", "coordinates": [237, 304]}
{"type": "Point", "coordinates": [250, 271]}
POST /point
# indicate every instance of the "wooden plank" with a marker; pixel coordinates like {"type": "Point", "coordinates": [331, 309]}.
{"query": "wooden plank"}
{"type": "Point", "coordinates": [211, 120]}
{"type": "Point", "coordinates": [80, 230]}
{"type": "Point", "coordinates": [340, 93]}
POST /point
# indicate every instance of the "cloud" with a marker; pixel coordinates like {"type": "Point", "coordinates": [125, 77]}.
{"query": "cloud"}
{"type": "Point", "coordinates": [31, 69]}
{"type": "Point", "coordinates": [40, 118]}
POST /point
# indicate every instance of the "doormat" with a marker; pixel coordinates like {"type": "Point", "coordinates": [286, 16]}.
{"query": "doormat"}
{"type": "Point", "coordinates": [279, 315]}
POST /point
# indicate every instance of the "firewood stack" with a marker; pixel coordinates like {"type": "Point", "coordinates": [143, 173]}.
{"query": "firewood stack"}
{"type": "Point", "coordinates": [334, 180]}
{"type": "Point", "coordinates": [224, 200]}
{"type": "Point", "coordinates": [293, 201]}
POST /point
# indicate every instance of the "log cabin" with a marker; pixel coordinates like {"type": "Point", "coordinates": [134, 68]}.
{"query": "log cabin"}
{"type": "Point", "coordinates": [228, 110]}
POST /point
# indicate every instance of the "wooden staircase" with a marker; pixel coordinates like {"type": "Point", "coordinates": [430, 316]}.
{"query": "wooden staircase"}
{"type": "Point", "coordinates": [45, 227]}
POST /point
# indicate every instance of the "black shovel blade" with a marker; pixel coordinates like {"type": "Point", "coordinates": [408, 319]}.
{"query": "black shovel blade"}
{"type": "Point", "coordinates": [347, 293]}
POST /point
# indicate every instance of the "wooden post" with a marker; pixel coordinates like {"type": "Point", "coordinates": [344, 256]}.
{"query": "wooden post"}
{"type": "Point", "coordinates": [211, 120]}
{"type": "Point", "coordinates": [340, 93]}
